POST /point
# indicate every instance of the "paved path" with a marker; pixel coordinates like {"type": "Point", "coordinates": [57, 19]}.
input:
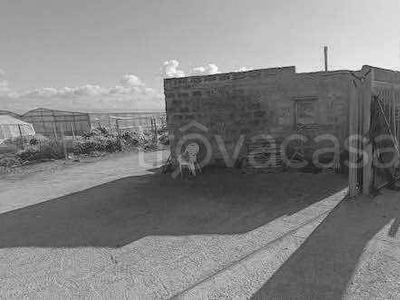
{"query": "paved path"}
{"type": "Point", "coordinates": [328, 249]}
{"type": "Point", "coordinates": [41, 186]}
{"type": "Point", "coordinates": [154, 267]}
{"type": "Point", "coordinates": [351, 251]}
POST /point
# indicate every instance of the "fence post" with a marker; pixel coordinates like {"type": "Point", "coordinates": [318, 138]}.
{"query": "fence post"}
{"type": "Point", "coordinates": [155, 130]}
{"type": "Point", "coordinates": [20, 135]}
{"type": "Point", "coordinates": [353, 131]}
{"type": "Point", "coordinates": [63, 142]}
{"type": "Point", "coordinates": [366, 124]}
{"type": "Point", "coordinates": [73, 130]}
{"type": "Point", "coordinates": [117, 125]}
{"type": "Point", "coordinates": [54, 126]}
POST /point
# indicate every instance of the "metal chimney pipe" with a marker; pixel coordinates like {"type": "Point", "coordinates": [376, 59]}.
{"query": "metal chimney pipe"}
{"type": "Point", "coordinates": [326, 58]}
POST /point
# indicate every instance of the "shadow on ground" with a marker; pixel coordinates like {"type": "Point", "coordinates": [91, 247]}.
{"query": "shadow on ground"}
{"type": "Point", "coordinates": [324, 264]}
{"type": "Point", "coordinates": [125, 210]}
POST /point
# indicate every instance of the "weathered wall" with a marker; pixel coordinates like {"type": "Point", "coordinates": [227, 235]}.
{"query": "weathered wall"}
{"type": "Point", "coordinates": [263, 101]}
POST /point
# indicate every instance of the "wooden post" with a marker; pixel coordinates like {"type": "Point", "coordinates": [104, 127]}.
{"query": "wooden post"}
{"type": "Point", "coordinates": [54, 126]}
{"type": "Point", "coordinates": [73, 130]}
{"type": "Point", "coordinates": [393, 106]}
{"type": "Point", "coordinates": [353, 131]}
{"type": "Point", "coordinates": [155, 130]}
{"type": "Point", "coordinates": [117, 126]}
{"type": "Point", "coordinates": [20, 135]}
{"type": "Point", "coordinates": [326, 58]}
{"type": "Point", "coordinates": [63, 141]}
{"type": "Point", "coordinates": [366, 122]}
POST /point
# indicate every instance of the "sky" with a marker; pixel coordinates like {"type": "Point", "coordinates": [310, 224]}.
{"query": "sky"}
{"type": "Point", "coordinates": [98, 55]}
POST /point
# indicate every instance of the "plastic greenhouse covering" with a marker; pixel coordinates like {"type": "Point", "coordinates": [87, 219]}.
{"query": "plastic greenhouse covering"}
{"type": "Point", "coordinates": [13, 128]}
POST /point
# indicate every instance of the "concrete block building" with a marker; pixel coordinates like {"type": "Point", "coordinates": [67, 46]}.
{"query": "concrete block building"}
{"type": "Point", "coordinates": [278, 102]}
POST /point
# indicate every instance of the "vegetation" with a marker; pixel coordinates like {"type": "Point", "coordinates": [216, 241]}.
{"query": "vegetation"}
{"type": "Point", "coordinates": [98, 140]}
{"type": "Point", "coordinates": [101, 140]}
{"type": "Point", "coordinates": [41, 149]}
{"type": "Point", "coordinates": [94, 143]}
{"type": "Point", "coordinates": [9, 160]}
{"type": "Point", "coordinates": [163, 137]}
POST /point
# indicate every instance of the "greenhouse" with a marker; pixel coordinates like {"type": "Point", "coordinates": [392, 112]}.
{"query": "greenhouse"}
{"type": "Point", "coordinates": [56, 123]}
{"type": "Point", "coordinates": [11, 127]}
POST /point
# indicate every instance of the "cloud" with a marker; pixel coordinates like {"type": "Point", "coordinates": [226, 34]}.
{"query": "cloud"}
{"type": "Point", "coordinates": [128, 95]}
{"type": "Point", "coordinates": [170, 69]}
{"type": "Point", "coordinates": [66, 92]}
{"type": "Point", "coordinates": [243, 69]}
{"type": "Point", "coordinates": [4, 84]}
{"type": "Point", "coordinates": [131, 80]}
{"type": "Point", "coordinates": [129, 85]}
{"type": "Point", "coordinates": [207, 70]}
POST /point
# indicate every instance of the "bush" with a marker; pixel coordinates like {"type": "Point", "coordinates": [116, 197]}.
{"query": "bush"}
{"type": "Point", "coordinates": [37, 139]}
{"type": "Point", "coordinates": [144, 140]}
{"type": "Point", "coordinates": [96, 143]}
{"type": "Point", "coordinates": [97, 140]}
{"type": "Point", "coordinates": [41, 150]}
{"type": "Point", "coordinates": [7, 161]}
{"type": "Point", "coordinates": [131, 139]}
{"type": "Point", "coordinates": [164, 139]}
{"type": "Point", "coordinates": [101, 140]}
{"type": "Point", "coordinates": [163, 135]}
{"type": "Point", "coordinates": [99, 131]}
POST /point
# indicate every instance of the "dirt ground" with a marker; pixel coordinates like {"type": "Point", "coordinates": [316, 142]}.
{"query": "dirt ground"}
{"type": "Point", "coordinates": [116, 228]}
{"type": "Point", "coordinates": [353, 254]}
{"type": "Point", "coordinates": [117, 213]}
{"type": "Point", "coordinates": [48, 180]}
{"type": "Point", "coordinates": [23, 171]}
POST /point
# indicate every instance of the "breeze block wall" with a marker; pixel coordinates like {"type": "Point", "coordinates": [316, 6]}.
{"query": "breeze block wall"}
{"type": "Point", "coordinates": [225, 109]}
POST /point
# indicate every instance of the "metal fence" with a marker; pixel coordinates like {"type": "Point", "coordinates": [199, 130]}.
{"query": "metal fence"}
{"type": "Point", "coordinates": [129, 122]}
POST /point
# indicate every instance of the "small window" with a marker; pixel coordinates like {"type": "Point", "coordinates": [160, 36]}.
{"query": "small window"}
{"type": "Point", "coordinates": [306, 111]}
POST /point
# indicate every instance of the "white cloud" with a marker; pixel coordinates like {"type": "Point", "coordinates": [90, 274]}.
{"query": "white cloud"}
{"type": "Point", "coordinates": [242, 69]}
{"type": "Point", "coordinates": [4, 85]}
{"type": "Point", "coordinates": [130, 94]}
{"type": "Point", "coordinates": [129, 85]}
{"type": "Point", "coordinates": [199, 70]}
{"type": "Point", "coordinates": [170, 69]}
{"type": "Point", "coordinates": [68, 92]}
{"type": "Point", "coordinates": [207, 70]}
{"type": "Point", "coordinates": [131, 80]}
{"type": "Point", "coordinates": [212, 69]}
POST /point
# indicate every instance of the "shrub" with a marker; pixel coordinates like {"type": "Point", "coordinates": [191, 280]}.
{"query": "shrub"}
{"type": "Point", "coordinates": [45, 149]}
{"type": "Point", "coordinates": [131, 139]}
{"type": "Point", "coordinates": [163, 136]}
{"type": "Point", "coordinates": [96, 143]}
{"type": "Point", "coordinates": [144, 140]}
{"type": "Point", "coordinates": [37, 139]}
{"type": "Point", "coordinates": [99, 131]}
{"type": "Point", "coordinates": [101, 140]}
{"type": "Point", "coordinates": [7, 161]}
